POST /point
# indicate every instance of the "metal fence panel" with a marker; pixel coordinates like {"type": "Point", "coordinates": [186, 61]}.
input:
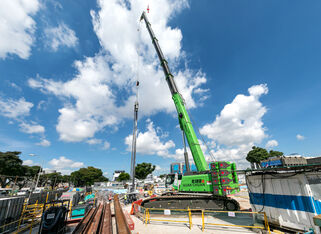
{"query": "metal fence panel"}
{"type": "Point", "coordinates": [10, 210]}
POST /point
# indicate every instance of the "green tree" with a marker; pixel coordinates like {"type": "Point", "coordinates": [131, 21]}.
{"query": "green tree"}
{"type": "Point", "coordinates": [10, 166]}
{"type": "Point", "coordinates": [256, 155]}
{"type": "Point", "coordinates": [87, 176]}
{"type": "Point", "coordinates": [123, 177]}
{"type": "Point", "coordinates": [273, 153]}
{"type": "Point", "coordinates": [162, 176]}
{"type": "Point", "coordinates": [31, 173]}
{"type": "Point", "coordinates": [142, 170]}
{"type": "Point", "coordinates": [65, 178]}
{"type": "Point", "coordinates": [51, 179]}
{"type": "Point", "coordinates": [77, 179]}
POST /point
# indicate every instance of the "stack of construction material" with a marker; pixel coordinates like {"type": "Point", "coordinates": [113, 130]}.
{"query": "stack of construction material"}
{"type": "Point", "coordinates": [285, 161]}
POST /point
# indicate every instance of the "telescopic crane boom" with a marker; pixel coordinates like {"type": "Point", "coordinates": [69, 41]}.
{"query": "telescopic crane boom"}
{"type": "Point", "coordinates": [204, 189]}
{"type": "Point", "coordinates": [184, 120]}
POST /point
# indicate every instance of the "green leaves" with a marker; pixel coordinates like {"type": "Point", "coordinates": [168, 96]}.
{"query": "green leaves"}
{"type": "Point", "coordinates": [142, 170]}
{"type": "Point", "coordinates": [10, 165]}
{"type": "Point", "coordinates": [123, 177]}
{"type": "Point", "coordinates": [257, 154]}
{"type": "Point", "coordinates": [11, 169]}
{"type": "Point", "coordinates": [87, 176]}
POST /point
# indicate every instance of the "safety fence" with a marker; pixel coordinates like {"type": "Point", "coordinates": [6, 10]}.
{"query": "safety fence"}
{"type": "Point", "coordinates": [30, 216]}
{"type": "Point", "coordinates": [44, 196]}
{"type": "Point", "coordinates": [209, 219]}
{"type": "Point", "coordinates": [10, 210]}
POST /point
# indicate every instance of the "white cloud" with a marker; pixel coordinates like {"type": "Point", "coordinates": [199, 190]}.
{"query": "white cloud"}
{"type": "Point", "coordinates": [60, 36]}
{"type": "Point", "coordinates": [158, 168]}
{"type": "Point", "coordinates": [106, 145]}
{"type": "Point", "coordinates": [239, 125]}
{"type": "Point", "coordinates": [240, 122]}
{"type": "Point", "coordinates": [17, 27]}
{"type": "Point", "coordinates": [63, 163]}
{"type": "Point", "coordinates": [13, 85]}
{"type": "Point", "coordinates": [271, 144]}
{"type": "Point", "coordinates": [44, 143]}
{"type": "Point", "coordinates": [27, 162]}
{"type": "Point", "coordinates": [105, 173]}
{"type": "Point", "coordinates": [15, 108]}
{"type": "Point", "coordinates": [41, 105]}
{"type": "Point", "coordinates": [300, 137]}
{"type": "Point", "coordinates": [92, 96]}
{"type": "Point", "coordinates": [94, 141]}
{"type": "Point", "coordinates": [149, 143]}
{"type": "Point", "coordinates": [77, 164]}
{"type": "Point", "coordinates": [31, 128]}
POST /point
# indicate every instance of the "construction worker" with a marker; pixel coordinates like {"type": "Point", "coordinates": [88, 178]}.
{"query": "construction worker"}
{"type": "Point", "coordinates": [125, 198]}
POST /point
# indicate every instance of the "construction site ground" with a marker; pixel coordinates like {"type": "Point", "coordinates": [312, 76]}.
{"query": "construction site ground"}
{"type": "Point", "coordinates": [159, 227]}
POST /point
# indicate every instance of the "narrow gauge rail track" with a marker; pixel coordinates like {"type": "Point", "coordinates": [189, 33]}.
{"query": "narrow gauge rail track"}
{"type": "Point", "coordinates": [99, 220]}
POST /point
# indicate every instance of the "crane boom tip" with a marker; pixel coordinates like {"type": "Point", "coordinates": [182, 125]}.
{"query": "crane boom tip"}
{"type": "Point", "coordinates": [142, 16]}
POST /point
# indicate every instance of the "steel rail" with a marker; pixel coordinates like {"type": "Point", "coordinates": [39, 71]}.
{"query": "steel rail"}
{"type": "Point", "coordinates": [93, 226]}
{"type": "Point", "coordinates": [121, 223]}
{"type": "Point", "coordinates": [98, 220]}
{"type": "Point", "coordinates": [85, 221]}
{"type": "Point", "coordinates": [106, 225]}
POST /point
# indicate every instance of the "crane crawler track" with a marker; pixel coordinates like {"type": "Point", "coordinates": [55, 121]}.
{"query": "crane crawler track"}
{"type": "Point", "coordinates": [192, 201]}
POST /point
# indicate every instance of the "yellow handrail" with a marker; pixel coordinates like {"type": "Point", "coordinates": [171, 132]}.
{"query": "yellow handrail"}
{"type": "Point", "coordinates": [147, 218]}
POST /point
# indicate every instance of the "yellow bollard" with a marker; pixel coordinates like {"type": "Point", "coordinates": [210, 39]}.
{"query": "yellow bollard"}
{"type": "Point", "coordinates": [47, 197]}
{"type": "Point", "coordinates": [190, 218]}
{"type": "Point", "coordinates": [31, 226]}
{"type": "Point", "coordinates": [147, 216]}
{"type": "Point", "coordinates": [266, 223]}
{"type": "Point", "coordinates": [35, 208]}
{"type": "Point", "coordinates": [203, 225]}
{"type": "Point", "coordinates": [22, 214]}
{"type": "Point", "coordinates": [144, 217]}
{"type": "Point", "coordinates": [70, 212]}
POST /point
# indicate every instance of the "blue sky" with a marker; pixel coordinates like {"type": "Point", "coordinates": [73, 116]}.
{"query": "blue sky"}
{"type": "Point", "coordinates": [248, 70]}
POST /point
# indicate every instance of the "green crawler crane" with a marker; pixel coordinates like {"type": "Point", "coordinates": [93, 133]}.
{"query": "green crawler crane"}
{"type": "Point", "coordinates": [207, 188]}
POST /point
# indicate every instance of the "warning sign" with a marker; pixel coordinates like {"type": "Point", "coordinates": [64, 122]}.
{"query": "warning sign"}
{"type": "Point", "coordinates": [167, 212]}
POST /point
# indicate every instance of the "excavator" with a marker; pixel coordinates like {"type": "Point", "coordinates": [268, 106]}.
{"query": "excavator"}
{"type": "Point", "coordinates": [208, 187]}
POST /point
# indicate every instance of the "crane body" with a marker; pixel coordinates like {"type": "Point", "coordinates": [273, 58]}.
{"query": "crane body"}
{"type": "Point", "coordinates": [204, 188]}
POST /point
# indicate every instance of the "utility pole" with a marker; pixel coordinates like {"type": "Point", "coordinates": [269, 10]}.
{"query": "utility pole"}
{"type": "Point", "coordinates": [40, 170]}
{"type": "Point", "coordinates": [133, 158]}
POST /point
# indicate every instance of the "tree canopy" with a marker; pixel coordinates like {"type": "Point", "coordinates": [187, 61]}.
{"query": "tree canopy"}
{"type": "Point", "coordinates": [87, 176]}
{"type": "Point", "coordinates": [10, 166]}
{"type": "Point", "coordinates": [257, 154]}
{"type": "Point", "coordinates": [11, 169]}
{"type": "Point", "coordinates": [142, 170]}
{"type": "Point", "coordinates": [123, 176]}
{"type": "Point", "coordinates": [273, 153]}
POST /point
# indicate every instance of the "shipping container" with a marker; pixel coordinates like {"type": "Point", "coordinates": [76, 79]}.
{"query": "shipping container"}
{"type": "Point", "coordinates": [290, 199]}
